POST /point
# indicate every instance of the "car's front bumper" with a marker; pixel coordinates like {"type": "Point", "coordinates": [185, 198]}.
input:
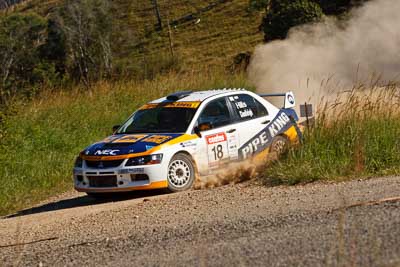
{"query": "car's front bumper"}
{"type": "Point", "coordinates": [119, 179]}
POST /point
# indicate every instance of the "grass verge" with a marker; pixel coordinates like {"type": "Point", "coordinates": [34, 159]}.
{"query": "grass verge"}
{"type": "Point", "coordinates": [39, 143]}
{"type": "Point", "coordinates": [355, 135]}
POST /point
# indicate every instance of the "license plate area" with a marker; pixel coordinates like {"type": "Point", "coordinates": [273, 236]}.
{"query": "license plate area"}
{"type": "Point", "coordinates": [103, 181]}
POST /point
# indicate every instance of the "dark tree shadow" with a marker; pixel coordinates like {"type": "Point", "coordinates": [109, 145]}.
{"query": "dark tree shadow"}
{"type": "Point", "coordinates": [86, 201]}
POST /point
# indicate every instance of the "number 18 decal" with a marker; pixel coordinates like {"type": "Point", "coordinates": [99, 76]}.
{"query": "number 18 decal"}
{"type": "Point", "coordinates": [217, 148]}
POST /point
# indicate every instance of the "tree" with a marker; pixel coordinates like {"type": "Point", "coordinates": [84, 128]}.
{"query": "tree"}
{"type": "Point", "coordinates": [158, 15]}
{"type": "Point", "coordinates": [21, 36]}
{"type": "Point", "coordinates": [281, 15]}
{"type": "Point", "coordinates": [54, 49]}
{"type": "Point", "coordinates": [337, 7]}
{"type": "Point", "coordinates": [88, 26]}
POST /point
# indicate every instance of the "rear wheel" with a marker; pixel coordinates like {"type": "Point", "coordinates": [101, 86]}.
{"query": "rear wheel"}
{"type": "Point", "coordinates": [181, 173]}
{"type": "Point", "coordinates": [279, 146]}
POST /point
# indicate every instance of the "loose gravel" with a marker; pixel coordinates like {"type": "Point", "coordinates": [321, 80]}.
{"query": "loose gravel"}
{"type": "Point", "coordinates": [244, 224]}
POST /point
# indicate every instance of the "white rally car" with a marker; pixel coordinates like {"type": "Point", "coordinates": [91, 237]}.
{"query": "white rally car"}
{"type": "Point", "coordinates": [170, 141]}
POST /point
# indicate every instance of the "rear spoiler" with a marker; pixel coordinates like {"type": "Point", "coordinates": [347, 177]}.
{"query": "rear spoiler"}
{"type": "Point", "coordinates": [289, 100]}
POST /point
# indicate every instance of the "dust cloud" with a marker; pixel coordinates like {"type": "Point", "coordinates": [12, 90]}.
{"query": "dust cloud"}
{"type": "Point", "coordinates": [232, 174]}
{"type": "Point", "coordinates": [320, 59]}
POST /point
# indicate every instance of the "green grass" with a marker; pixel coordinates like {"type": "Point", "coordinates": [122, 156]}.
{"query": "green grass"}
{"type": "Point", "coordinates": [41, 141]}
{"type": "Point", "coordinates": [357, 135]}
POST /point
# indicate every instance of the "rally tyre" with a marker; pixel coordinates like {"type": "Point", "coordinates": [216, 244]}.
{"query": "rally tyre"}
{"type": "Point", "coordinates": [279, 146]}
{"type": "Point", "coordinates": [181, 173]}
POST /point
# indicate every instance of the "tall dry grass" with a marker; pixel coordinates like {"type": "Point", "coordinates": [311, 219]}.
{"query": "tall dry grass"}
{"type": "Point", "coordinates": [356, 134]}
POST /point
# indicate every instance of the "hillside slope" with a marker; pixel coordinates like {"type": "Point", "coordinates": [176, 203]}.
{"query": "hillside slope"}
{"type": "Point", "coordinates": [218, 31]}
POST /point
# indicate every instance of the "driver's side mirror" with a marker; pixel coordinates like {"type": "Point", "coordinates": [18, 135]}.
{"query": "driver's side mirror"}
{"type": "Point", "coordinates": [115, 128]}
{"type": "Point", "coordinates": [205, 126]}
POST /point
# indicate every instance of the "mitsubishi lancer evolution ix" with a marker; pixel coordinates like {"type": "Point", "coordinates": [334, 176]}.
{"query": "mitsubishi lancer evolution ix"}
{"type": "Point", "coordinates": [168, 142]}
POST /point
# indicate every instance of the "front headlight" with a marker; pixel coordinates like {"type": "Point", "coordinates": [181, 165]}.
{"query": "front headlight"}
{"type": "Point", "coordinates": [78, 162]}
{"type": "Point", "coordinates": [145, 160]}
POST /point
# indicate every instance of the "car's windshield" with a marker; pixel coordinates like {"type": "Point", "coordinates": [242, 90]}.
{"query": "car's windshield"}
{"type": "Point", "coordinates": [158, 120]}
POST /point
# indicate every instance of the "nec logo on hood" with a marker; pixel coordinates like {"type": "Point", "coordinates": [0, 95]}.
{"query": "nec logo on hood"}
{"type": "Point", "coordinates": [106, 152]}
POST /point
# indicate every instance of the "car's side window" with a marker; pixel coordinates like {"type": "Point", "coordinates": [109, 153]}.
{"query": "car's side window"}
{"type": "Point", "coordinates": [247, 107]}
{"type": "Point", "coordinates": [217, 113]}
{"type": "Point", "coordinates": [262, 111]}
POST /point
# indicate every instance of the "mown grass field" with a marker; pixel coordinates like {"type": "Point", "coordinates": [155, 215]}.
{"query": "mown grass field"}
{"type": "Point", "coordinates": [39, 143]}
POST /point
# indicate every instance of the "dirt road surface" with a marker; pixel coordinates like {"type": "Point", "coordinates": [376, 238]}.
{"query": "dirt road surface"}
{"type": "Point", "coordinates": [354, 223]}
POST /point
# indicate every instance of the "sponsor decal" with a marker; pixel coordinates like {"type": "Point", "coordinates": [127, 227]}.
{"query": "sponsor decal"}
{"type": "Point", "coordinates": [130, 138]}
{"type": "Point", "coordinates": [264, 138]}
{"type": "Point", "coordinates": [109, 139]}
{"type": "Point", "coordinates": [185, 104]}
{"type": "Point", "coordinates": [242, 107]}
{"type": "Point", "coordinates": [188, 144]}
{"type": "Point", "coordinates": [158, 139]}
{"type": "Point", "coordinates": [106, 152]}
{"type": "Point", "coordinates": [217, 149]}
{"type": "Point", "coordinates": [246, 113]}
{"type": "Point", "coordinates": [278, 123]}
{"type": "Point", "coordinates": [290, 99]}
{"type": "Point", "coordinates": [216, 138]}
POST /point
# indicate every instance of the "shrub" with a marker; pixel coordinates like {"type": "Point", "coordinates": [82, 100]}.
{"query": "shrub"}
{"type": "Point", "coordinates": [337, 7]}
{"type": "Point", "coordinates": [283, 15]}
{"type": "Point", "coordinates": [32, 53]}
{"type": "Point", "coordinates": [256, 5]}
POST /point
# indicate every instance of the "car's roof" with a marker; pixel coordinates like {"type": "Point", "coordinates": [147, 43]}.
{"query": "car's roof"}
{"type": "Point", "coordinates": [200, 96]}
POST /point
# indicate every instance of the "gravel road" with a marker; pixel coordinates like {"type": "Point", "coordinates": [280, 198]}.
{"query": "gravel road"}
{"type": "Point", "coordinates": [354, 223]}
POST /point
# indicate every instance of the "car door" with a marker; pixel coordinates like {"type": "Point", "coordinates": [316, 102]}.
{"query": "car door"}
{"type": "Point", "coordinates": [252, 118]}
{"type": "Point", "coordinates": [219, 144]}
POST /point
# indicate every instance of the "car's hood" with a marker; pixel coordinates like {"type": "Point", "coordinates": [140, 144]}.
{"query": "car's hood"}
{"type": "Point", "coordinates": [123, 144]}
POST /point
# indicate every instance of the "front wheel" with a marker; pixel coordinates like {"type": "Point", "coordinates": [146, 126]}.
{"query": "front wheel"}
{"type": "Point", "coordinates": [181, 173]}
